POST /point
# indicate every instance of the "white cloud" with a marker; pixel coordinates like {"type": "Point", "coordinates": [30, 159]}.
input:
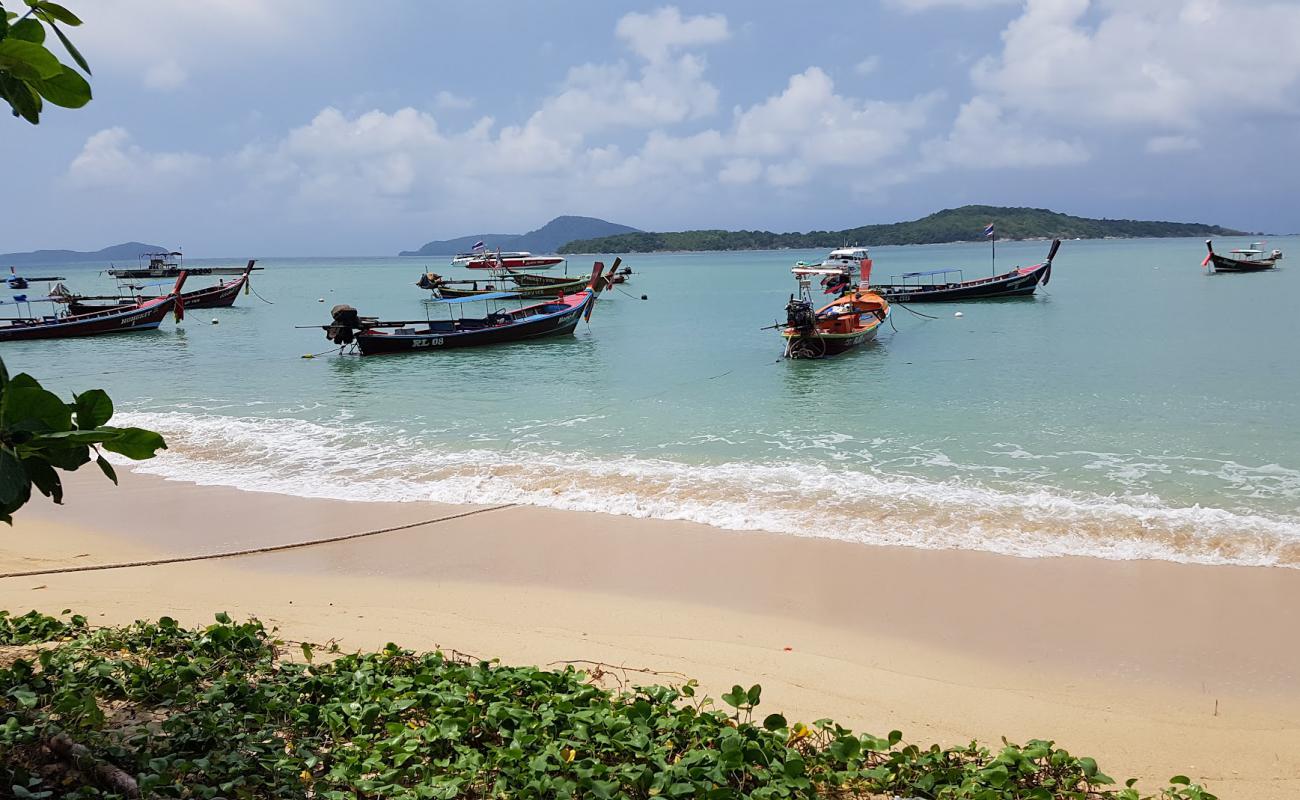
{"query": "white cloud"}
{"type": "Point", "coordinates": [165, 76]}
{"type": "Point", "coordinates": [1145, 62]}
{"type": "Point", "coordinates": [450, 101]}
{"type": "Point", "coordinates": [867, 65]}
{"type": "Point", "coordinates": [741, 171]}
{"type": "Point", "coordinates": [656, 35]}
{"type": "Point", "coordinates": [982, 137]}
{"type": "Point", "coordinates": [110, 160]}
{"type": "Point", "coordinates": [1160, 145]}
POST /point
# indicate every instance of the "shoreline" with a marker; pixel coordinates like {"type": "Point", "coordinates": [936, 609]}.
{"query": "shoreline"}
{"type": "Point", "coordinates": [1154, 668]}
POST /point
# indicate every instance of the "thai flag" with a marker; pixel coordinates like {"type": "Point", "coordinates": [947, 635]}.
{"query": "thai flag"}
{"type": "Point", "coordinates": [477, 246]}
{"type": "Point", "coordinates": [988, 232]}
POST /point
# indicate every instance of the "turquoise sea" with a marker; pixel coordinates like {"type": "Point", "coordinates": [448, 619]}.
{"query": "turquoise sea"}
{"type": "Point", "coordinates": [1136, 408]}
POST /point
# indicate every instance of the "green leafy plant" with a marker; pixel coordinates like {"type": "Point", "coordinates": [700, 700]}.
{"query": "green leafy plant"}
{"type": "Point", "coordinates": [216, 711]}
{"type": "Point", "coordinates": [40, 434]}
{"type": "Point", "coordinates": [31, 75]}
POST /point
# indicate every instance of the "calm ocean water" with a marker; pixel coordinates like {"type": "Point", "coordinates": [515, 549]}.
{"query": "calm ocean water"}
{"type": "Point", "coordinates": [1136, 408]}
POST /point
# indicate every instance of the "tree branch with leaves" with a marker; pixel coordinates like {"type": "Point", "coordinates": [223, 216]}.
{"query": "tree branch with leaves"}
{"type": "Point", "coordinates": [31, 75]}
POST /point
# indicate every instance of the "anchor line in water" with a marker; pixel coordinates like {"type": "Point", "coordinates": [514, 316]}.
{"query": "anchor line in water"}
{"type": "Point", "coordinates": [253, 550]}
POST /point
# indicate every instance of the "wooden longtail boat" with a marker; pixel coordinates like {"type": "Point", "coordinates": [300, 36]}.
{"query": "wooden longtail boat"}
{"type": "Point", "coordinates": [525, 284]}
{"type": "Point", "coordinates": [947, 285]}
{"type": "Point", "coordinates": [844, 323]}
{"type": "Point", "coordinates": [556, 317]}
{"type": "Point", "coordinates": [145, 315]}
{"type": "Point", "coordinates": [1249, 259]}
{"type": "Point", "coordinates": [222, 295]}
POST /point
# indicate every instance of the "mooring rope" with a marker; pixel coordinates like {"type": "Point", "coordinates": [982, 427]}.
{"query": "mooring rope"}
{"type": "Point", "coordinates": [254, 550]}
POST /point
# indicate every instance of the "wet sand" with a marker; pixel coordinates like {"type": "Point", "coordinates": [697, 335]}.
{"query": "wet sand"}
{"type": "Point", "coordinates": [1154, 668]}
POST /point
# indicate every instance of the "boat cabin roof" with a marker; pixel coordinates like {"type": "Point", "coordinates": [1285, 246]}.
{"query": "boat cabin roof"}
{"type": "Point", "coordinates": [924, 273]}
{"type": "Point", "coordinates": [1248, 252]}
{"type": "Point", "coordinates": [474, 297]}
{"type": "Point", "coordinates": [849, 252]}
{"type": "Point", "coordinates": [816, 271]}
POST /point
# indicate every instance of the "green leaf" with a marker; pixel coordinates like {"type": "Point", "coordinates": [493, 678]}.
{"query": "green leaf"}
{"type": "Point", "coordinates": [72, 51]}
{"type": "Point", "coordinates": [107, 469]}
{"type": "Point", "coordinates": [93, 408]}
{"type": "Point", "coordinates": [31, 408]}
{"type": "Point", "coordinates": [23, 99]}
{"type": "Point", "coordinates": [222, 617]}
{"type": "Point", "coordinates": [15, 486]}
{"type": "Point", "coordinates": [1180, 780]}
{"type": "Point", "coordinates": [134, 443]}
{"type": "Point", "coordinates": [27, 60]}
{"type": "Point", "coordinates": [44, 477]}
{"type": "Point", "coordinates": [754, 693]}
{"type": "Point", "coordinates": [29, 30]}
{"type": "Point", "coordinates": [57, 12]}
{"type": "Point", "coordinates": [59, 453]}
{"type": "Point", "coordinates": [774, 722]}
{"type": "Point", "coordinates": [67, 89]}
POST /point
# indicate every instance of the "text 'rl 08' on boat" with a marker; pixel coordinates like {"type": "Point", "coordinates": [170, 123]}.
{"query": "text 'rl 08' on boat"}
{"type": "Point", "coordinates": [222, 295]}
{"type": "Point", "coordinates": [556, 317]}
{"type": "Point", "coordinates": [1246, 259]}
{"type": "Point", "coordinates": [145, 315]}
{"type": "Point", "coordinates": [948, 285]}
{"type": "Point", "coordinates": [844, 323]}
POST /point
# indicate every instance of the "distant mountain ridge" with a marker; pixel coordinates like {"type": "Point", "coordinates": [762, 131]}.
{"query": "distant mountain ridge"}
{"type": "Point", "coordinates": [546, 239]}
{"type": "Point", "coordinates": [127, 251]}
{"type": "Point", "coordinates": [950, 225]}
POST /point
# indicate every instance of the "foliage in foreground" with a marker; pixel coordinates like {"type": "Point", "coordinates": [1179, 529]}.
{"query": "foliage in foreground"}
{"type": "Point", "coordinates": [216, 711]}
{"type": "Point", "coordinates": [40, 434]}
{"type": "Point", "coordinates": [31, 75]}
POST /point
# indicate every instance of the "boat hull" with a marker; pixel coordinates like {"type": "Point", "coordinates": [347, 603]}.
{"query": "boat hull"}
{"type": "Point", "coordinates": [523, 290]}
{"type": "Point", "coordinates": [559, 323]}
{"type": "Point", "coordinates": [1019, 283]}
{"type": "Point", "coordinates": [211, 297]}
{"type": "Point", "coordinates": [531, 262]}
{"type": "Point", "coordinates": [825, 345]}
{"type": "Point", "coordinates": [145, 317]}
{"type": "Point", "coordinates": [1225, 264]}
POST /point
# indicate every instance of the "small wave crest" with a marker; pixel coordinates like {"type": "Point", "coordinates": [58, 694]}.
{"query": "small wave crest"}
{"type": "Point", "coordinates": [349, 460]}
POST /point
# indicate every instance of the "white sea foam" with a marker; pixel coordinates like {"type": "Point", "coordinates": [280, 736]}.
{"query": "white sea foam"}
{"type": "Point", "coordinates": [354, 461]}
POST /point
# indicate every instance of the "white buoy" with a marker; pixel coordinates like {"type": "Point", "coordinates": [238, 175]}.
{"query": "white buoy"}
{"type": "Point", "coordinates": [320, 300]}
{"type": "Point", "coordinates": [958, 314]}
{"type": "Point", "coordinates": [215, 321]}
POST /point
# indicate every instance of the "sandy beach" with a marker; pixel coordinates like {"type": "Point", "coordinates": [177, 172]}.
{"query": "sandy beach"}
{"type": "Point", "coordinates": [1153, 668]}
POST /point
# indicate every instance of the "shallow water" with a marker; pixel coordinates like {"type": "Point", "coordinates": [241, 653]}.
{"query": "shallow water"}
{"type": "Point", "coordinates": [1135, 408]}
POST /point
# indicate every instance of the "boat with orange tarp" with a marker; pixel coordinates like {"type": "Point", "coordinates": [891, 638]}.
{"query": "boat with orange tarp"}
{"type": "Point", "coordinates": [842, 324]}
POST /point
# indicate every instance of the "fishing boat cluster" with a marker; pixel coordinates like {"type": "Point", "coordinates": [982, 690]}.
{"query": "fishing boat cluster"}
{"type": "Point", "coordinates": [519, 303]}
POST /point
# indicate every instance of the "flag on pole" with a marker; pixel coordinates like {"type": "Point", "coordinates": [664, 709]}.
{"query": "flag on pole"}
{"type": "Point", "coordinates": [477, 246]}
{"type": "Point", "coordinates": [988, 232]}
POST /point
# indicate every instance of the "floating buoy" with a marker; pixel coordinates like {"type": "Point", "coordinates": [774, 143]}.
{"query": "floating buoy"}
{"type": "Point", "coordinates": [308, 355]}
{"type": "Point", "coordinates": [320, 300]}
{"type": "Point", "coordinates": [215, 321]}
{"type": "Point", "coordinates": [958, 314]}
{"type": "Point", "coordinates": [643, 297]}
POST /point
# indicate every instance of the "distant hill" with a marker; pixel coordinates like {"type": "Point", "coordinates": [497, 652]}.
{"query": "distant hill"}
{"type": "Point", "coordinates": [950, 225]}
{"type": "Point", "coordinates": [546, 239]}
{"type": "Point", "coordinates": [127, 251]}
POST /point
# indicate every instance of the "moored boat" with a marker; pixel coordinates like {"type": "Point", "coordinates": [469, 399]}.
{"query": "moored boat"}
{"type": "Point", "coordinates": [948, 285]}
{"type": "Point", "coordinates": [142, 316]}
{"type": "Point", "coordinates": [222, 295]}
{"type": "Point", "coordinates": [1247, 259]}
{"type": "Point", "coordinates": [525, 284]}
{"type": "Point", "coordinates": [522, 259]}
{"type": "Point", "coordinates": [168, 265]}
{"type": "Point", "coordinates": [557, 317]}
{"type": "Point", "coordinates": [843, 324]}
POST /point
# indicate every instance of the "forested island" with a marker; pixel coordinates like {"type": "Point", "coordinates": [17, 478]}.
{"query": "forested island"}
{"type": "Point", "coordinates": [950, 225]}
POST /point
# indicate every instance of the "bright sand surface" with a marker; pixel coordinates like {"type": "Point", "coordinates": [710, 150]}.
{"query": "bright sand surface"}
{"type": "Point", "coordinates": [1153, 668]}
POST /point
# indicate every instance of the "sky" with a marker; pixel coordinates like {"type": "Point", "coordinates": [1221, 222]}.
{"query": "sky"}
{"type": "Point", "coordinates": [259, 128]}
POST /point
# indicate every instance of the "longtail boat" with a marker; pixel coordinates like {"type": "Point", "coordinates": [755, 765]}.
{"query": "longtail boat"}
{"type": "Point", "coordinates": [1248, 259]}
{"type": "Point", "coordinates": [846, 322]}
{"type": "Point", "coordinates": [17, 281]}
{"type": "Point", "coordinates": [945, 285]}
{"type": "Point", "coordinates": [168, 265]}
{"type": "Point", "coordinates": [525, 284]}
{"type": "Point", "coordinates": [145, 315]}
{"type": "Point", "coordinates": [373, 336]}
{"type": "Point", "coordinates": [222, 295]}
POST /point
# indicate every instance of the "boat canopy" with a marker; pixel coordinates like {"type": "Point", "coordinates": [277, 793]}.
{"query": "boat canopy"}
{"type": "Point", "coordinates": [1248, 252]}
{"type": "Point", "coordinates": [472, 298]}
{"type": "Point", "coordinates": [927, 272]}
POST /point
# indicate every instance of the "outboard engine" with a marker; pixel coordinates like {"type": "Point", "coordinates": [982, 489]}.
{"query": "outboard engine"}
{"type": "Point", "coordinates": [346, 322]}
{"type": "Point", "coordinates": [429, 280]}
{"type": "Point", "coordinates": [799, 315]}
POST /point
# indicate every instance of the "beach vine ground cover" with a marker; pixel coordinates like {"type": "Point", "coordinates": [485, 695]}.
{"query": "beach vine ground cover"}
{"type": "Point", "coordinates": [219, 711]}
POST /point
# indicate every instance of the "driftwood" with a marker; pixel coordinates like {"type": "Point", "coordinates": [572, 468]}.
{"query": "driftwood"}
{"type": "Point", "coordinates": [104, 775]}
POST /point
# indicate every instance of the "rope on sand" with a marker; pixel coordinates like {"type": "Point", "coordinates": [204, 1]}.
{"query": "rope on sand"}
{"type": "Point", "coordinates": [255, 550]}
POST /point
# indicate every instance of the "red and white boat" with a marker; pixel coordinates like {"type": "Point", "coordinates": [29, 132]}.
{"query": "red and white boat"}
{"type": "Point", "coordinates": [503, 261]}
